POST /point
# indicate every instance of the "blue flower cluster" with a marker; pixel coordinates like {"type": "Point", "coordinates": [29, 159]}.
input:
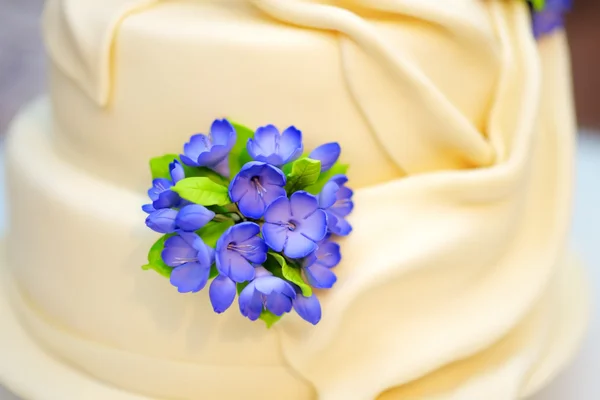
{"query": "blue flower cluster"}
{"type": "Point", "coordinates": [548, 15]}
{"type": "Point", "coordinates": [251, 212]}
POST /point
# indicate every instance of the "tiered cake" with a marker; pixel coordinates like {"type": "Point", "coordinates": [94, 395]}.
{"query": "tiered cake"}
{"type": "Point", "coordinates": [458, 126]}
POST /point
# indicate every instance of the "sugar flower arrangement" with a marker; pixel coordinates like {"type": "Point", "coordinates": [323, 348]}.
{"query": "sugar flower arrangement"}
{"type": "Point", "coordinates": [253, 215]}
{"type": "Point", "coordinates": [548, 15]}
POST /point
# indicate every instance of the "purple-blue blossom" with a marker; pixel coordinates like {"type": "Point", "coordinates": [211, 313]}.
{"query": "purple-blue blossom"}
{"type": "Point", "coordinates": [308, 308]}
{"type": "Point", "coordinates": [191, 260]}
{"type": "Point", "coordinates": [317, 266]}
{"type": "Point", "coordinates": [211, 150]}
{"type": "Point", "coordinates": [266, 292]}
{"type": "Point", "coordinates": [551, 17]}
{"type": "Point", "coordinates": [222, 293]}
{"type": "Point", "coordinates": [255, 187]}
{"type": "Point", "coordinates": [161, 194]}
{"type": "Point", "coordinates": [189, 219]}
{"type": "Point", "coordinates": [328, 154]}
{"type": "Point", "coordinates": [294, 225]}
{"type": "Point", "coordinates": [238, 250]}
{"type": "Point", "coordinates": [336, 200]}
{"type": "Point", "coordinates": [272, 147]}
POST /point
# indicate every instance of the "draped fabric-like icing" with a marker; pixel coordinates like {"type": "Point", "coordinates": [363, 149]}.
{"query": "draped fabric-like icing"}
{"type": "Point", "coordinates": [499, 230]}
{"type": "Point", "coordinates": [442, 265]}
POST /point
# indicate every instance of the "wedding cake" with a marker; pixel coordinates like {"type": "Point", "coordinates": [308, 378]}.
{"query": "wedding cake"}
{"type": "Point", "coordinates": [456, 120]}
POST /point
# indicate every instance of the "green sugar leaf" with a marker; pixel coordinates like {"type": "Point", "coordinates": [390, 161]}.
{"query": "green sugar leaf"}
{"type": "Point", "coordinates": [203, 191]}
{"type": "Point", "coordinates": [239, 154]}
{"type": "Point", "coordinates": [305, 172]}
{"type": "Point", "coordinates": [538, 5]}
{"type": "Point", "coordinates": [212, 231]}
{"type": "Point", "coordinates": [155, 260]}
{"type": "Point", "coordinates": [269, 318]}
{"type": "Point", "coordinates": [241, 286]}
{"type": "Point", "coordinates": [213, 271]}
{"type": "Point", "coordinates": [194, 172]}
{"type": "Point", "coordinates": [292, 274]}
{"type": "Point", "coordinates": [159, 166]}
{"type": "Point", "coordinates": [336, 169]}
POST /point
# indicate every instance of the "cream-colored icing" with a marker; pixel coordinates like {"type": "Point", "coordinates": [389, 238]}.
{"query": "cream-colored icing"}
{"type": "Point", "coordinates": [442, 264]}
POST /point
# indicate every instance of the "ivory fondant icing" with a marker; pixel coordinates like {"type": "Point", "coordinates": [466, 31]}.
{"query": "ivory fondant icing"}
{"type": "Point", "coordinates": [459, 129]}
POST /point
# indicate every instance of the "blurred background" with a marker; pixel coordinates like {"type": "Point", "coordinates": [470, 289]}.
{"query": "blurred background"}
{"type": "Point", "coordinates": [22, 77]}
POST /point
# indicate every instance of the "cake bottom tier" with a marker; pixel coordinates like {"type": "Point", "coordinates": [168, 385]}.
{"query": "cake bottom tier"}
{"type": "Point", "coordinates": [73, 251]}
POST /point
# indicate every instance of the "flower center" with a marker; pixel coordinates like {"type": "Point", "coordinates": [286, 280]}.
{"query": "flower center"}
{"type": "Point", "coordinates": [292, 225]}
{"type": "Point", "coordinates": [161, 188]}
{"type": "Point", "coordinates": [260, 189]}
{"type": "Point", "coordinates": [242, 248]}
{"type": "Point", "coordinates": [185, 260]}
{"type": "Point", "coordinates": [342, 203]}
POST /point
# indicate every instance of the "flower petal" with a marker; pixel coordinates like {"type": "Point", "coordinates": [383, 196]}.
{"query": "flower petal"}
{"type": "Point", "coordinates": [273, 176]}
{"type": "Point", "coordinates": [250, 302]}
{"type": "Point", "coordinates": [162, 221]}
{"type": "Point", "coordinates": [298, 246]}
{"type": "Point", "coordinates": [241, 232]}
{"type": "Point", "coordinates": [340, 179]}
{"type": "Point", "coordinates": [159, 186]}
{"type": "Point", "coordinates": [213, 157]}
{"type": "Point", "coordinates": [198, 144]}
{"type": "Point", "coordinates": [239, 186]}
{"type": "Point", "coordinates": [255, 250]}
{"type": "Point", "coordinates": [328, 195]}
{"type": "Point", "coordinates": [338, 225]}
{"type": "Point", "coordinates": [328, 154]}
{"type": "Point", "coordinates": [193, 217]}
{"type": "Point", "coordinates": [266, 139]}
{"type": "Point", "coordinates": [178, 252]}
{"type": "Point", "coordinates": [272, 284]}
{"type": "Point", "coordinates": [188, 161]}
{"type": "Point", "coordinates": [290, 144]}
{"type": "Point", "coordinates": [275, 235]}
{"type": "Point", "coordinates": [166, 199]}
{"type": "Point", "coordinates": [222, 293]}
{"type": "Point", "coordinates": [308, 308]}
{"type": "Point", "coordinates": [279, 211]}
{"type": "Point", "coordinates": [320, 277]}
{"type": "Point", "coordinates": [315, 226]}
{"type": "Point", "coordinates": [148, 208]}
{"type": "Point", "coordinates": [221, 131]}
{"type": "Point", "coordinates": [252, 205]}
{"type": "Point", "coordinates": [303, 204]}
{"type": "Point", "coordinates": [279, 304]}
{"type": "Point", "coordinates": [205, 254]}
{"type": "Point", "coordinates": [328, 254]}
{"type": "Point", "coordinates": [190, 277]}
{"type": "Point", "coordinates": [235, 266]}
{"type": "Point", "coordinates": [176, 171]}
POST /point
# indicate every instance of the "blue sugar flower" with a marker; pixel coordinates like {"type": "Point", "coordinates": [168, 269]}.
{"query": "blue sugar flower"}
{"type": "Point", "coordinates": [336, 200]}
{"type": "Point", "coordinates": [317, 266]}
{"type": "Point", "coordinates": [191, 260]}
{"type": "Point", "coordinates": [161, 194]}
{"type": "Point", "coordinates": [239, 248]}
{"type": "Point", "coordinates": [162, 221]}
{"type": "Point", "coordinates": [211, 150]}
{"type": "Point", "coordinates": [328, 154]}
{"type": "Point", "coordinates": [266, 291]}
{"type": "Point", "coordinates": [193, 217]}
{"type": "Point", "coordinates": [255, 187]}
{"type": "Point", "coordinates": [295, 225]}
{"type": "Point", "coordinates": [275, 148]}
{"type": "Point", "coordinates": [222, 293]}
{"type": "Point", "coordinates": [308, 308]}
{"type": "Point", "coordinates": [551, 17]}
